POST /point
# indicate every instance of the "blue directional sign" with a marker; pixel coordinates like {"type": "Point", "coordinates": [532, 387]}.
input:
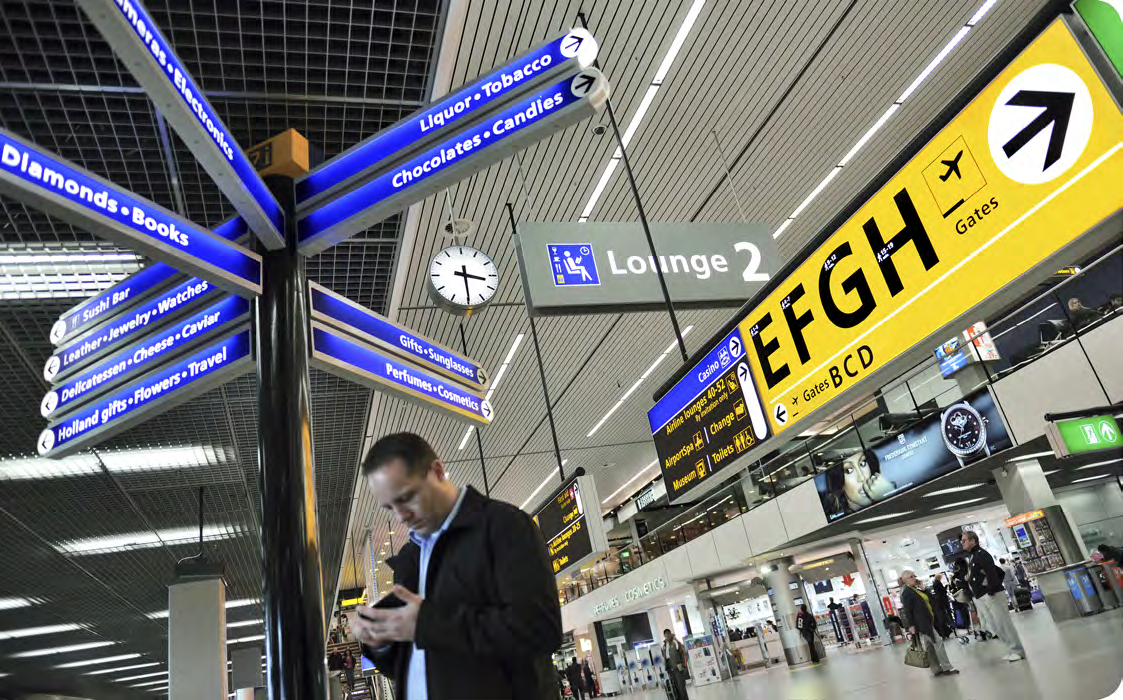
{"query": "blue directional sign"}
{"type": "Point", "coordinates": [58, 187]}
{"type": "Point", "coordinates": [563, 55]}
{"type": "Point", "coordinates": [130, 291]}
{"type": "Point", "coordinates": [702, 375]}
{"type": "Point", "coordinates": [154, 393]}
{"type": "Point", "coordinates": [128, 327]}
{"type": "Point", "coordinates": [573, 264]}
{"type": "Point", "coordinates": [551, 109]}
{"type": "Point", "coordinates": [356, 361]}
{"type": "Point", "coordinates": [338, 311]}
{"type": "Point", "coordinates": [143, 356]}
{"type": "Point", "coordinates": [134, 37]}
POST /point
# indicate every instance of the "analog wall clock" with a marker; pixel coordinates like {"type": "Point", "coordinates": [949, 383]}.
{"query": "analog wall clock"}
{"type": "Point", "coordinates": [462, 280]}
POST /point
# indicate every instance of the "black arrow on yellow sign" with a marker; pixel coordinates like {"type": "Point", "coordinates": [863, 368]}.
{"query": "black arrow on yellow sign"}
{"type": "Point", "coordinates": [1056, 110]}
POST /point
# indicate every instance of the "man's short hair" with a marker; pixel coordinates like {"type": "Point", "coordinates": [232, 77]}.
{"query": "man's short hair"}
{"type": "Point", "coordinates": [970, 534]}
{"type": "Point", "coordinates": [666, 631]}
{"type": "Point", "coordinates": [412, 449]}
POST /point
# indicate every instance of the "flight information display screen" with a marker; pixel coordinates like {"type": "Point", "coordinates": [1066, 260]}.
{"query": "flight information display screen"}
{"type": "Point", "coordinates": [572, 533]}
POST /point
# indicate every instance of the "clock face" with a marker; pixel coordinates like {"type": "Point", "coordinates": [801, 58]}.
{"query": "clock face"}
{"type": "Point", "coordinates": [963, 431]}
{"type": "Point", "coordinates": [462, 279]}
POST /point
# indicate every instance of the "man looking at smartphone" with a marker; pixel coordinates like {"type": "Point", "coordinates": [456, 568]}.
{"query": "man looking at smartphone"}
{"type": "Point", "coordinates": [474, 609]}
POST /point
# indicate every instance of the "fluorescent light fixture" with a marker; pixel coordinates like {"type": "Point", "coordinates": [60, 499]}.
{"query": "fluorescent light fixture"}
{"type": "Point", "coordinates": [143, 675]}
{"type": "Point", "coordinates": [241, 602]}
{"type": "Point", "coordinates": [244, 623]}
{"type": "Point", "coordinates": [102, 660]}
{"type": "Point", "coordinates": [122, 668]}
{"type": "Point", "coordinates": [37, 631]}
{"type": "Point", "coordinates": [629, 482]}
{"type": "Point", "coordinates": [499, 374]}
{"type": "Point", "coordinates": [146, 540]}
{"type": "Point", "coordinates": [1092, 478]}
{"type": "Point", "coordinates": [645, 375]}
{"type": "Point", "coordinates": [58, 286]}
{"type": "Point", "coordinates": [254, 638]}
{"type": "Point", "coordinates": [65, 258]}
{"type": "Point", "coordinates": [1052, 471]}
{"type": "Point", "coordinates": [540, 487]}
{"type": "Point", "coordinates": [645, 104]}
{"type": "Point", "coordinates": [13, 603]}
{"type": "Point", "coordinates": [116, 462]}
{"type": "Point", "coordinates": [957, 504]}
{"type": "Point", "coordinates": [1088, 466]}
{"type": "Point", "coordinates": [916, 83]}
{"type": "Point", "coordinates": [888, 516]}
{"type": "Point", "coordinates": [141, 685]}
{"type": "Point", "coordinates": [1035, 455]}
{"type": "Point", "coordinates": [953, 489]}
{"type": "Point", "coordinates": [61, 650]}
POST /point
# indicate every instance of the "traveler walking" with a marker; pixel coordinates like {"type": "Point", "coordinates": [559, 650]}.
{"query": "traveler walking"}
{"type": "Point", "coordinates": [590, 679]}
{"type": "Point", "coordinates": [806, 624]}
{"type": "Point", "coordinates": [919, 614]}
{"type": "Point", "coordinates": [474, 610]}
{"type": "Point", "coordinates": [985, 580]}
{"type": "Point", "coordinates": [575, 676]}
{"type": "Point", "coordinates": [1009, 582]}
{"type": "Point", "coordinates": [349, 672]}
{"type": "Point", "coordinates": [674, 656]}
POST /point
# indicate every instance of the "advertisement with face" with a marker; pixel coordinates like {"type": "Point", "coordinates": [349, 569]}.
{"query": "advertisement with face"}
{"type": "Point", "coordinates": [961, 433]}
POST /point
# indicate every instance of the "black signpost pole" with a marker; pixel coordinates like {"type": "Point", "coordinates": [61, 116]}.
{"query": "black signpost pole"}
{"type": "Point", "coordinates": [541, 370]}
{"type": "Point", "coordinates": [291, 580]}
{"type": "Point", "coordinates": [479, 440]}
{"type": "Point", "coordinates": [642, 215]}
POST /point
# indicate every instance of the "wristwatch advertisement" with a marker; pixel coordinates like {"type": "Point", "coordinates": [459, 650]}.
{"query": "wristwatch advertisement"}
{"type": "Point", "coordinates": [965, 431]}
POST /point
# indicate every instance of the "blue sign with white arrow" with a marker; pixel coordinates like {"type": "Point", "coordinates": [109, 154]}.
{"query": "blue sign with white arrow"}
{"type": "Point", "coordinates": [152, 394]}
{"type": "Point", "coordinates": [134, 37]}
{"type": "Point", "coordinates": [130, 291]}
{"type": "Point", "coordinates": [143, 319]}
{"type": "Point", "coordinates": [58, 187]}
{"type": "Point", "coordinates": [539, 115]}
{"type": "Point", "coordinates": [333, 309]}
{"type": "Point", "coordinates": [563, 55]}
{"type": "Point", "coordinates": [356, 361]}
{"type": "Point", "coordinates": [143, 356]}
{"type": "Point", "coordinates": [707, 371]}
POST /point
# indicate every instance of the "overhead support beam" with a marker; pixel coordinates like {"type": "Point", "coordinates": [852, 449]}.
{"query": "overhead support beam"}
{"type": "Point", "coordinates": [214, 94]}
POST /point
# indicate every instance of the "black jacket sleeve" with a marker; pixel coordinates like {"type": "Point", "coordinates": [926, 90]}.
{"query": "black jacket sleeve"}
{"type": "Point", "coordinates": [386, 658]}
{"type": "Point", "coordinates": [525, 621]}
{"type": "Point", "coordinates": [989, 576]}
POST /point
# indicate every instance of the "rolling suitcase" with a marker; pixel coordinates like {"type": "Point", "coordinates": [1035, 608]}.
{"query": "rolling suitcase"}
{"type": "Point", "coordinates": [1023, 599]}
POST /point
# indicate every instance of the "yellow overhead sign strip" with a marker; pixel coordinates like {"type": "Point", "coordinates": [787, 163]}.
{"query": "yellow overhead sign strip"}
{"type": "Point", "coordinates": [1028, 166]}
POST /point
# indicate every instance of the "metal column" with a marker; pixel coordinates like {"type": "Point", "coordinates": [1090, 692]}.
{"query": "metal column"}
{"type": "Point", "coordinates": [291, 580]}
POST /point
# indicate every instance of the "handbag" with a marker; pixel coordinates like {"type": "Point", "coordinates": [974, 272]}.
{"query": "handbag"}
{"type": "Point", "coordinates": [916, 655]}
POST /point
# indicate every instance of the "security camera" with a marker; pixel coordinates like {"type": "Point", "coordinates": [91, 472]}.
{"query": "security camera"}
{"type": "Point", "coordinates": [599, 129]}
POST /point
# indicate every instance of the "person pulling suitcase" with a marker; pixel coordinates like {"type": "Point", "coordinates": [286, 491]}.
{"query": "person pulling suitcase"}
{"type": "Point", "coordinates": [674, 655]}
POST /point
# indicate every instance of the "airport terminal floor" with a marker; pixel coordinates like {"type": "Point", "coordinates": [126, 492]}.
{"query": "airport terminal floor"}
{"type": "Point", "coordinates": [485, 349]}
{"type": "Point", "coordinates": [1078, 659]}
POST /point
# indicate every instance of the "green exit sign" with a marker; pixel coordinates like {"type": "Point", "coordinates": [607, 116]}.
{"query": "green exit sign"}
{"type": "Point", "coordinates": [1079, 435]}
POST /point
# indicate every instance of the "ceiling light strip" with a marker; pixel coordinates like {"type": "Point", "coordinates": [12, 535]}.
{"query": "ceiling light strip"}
{"type": "Point", "coordinates": [540, 487]}
{"type": "Point", "coordinates": [495, 382]}
{"type": "Point", "coordinates": [38, 631]}
{"type": "Point", "coordinates": [102, 660]}
{"type": "Point", "coordinates": [119, 669]}
{"type": "Point", "coordinates": [913, 87]}
{"type": "Point", "coordinates": [61, 650]}
{"type": "Point", "coordinates": [958, 504]}
{"type": "Point", "coordinates": [629, 482]}
{"type": "Point", "coordinates": [639, 381]}
{"type": "Point", "coordinates": [645, 104]}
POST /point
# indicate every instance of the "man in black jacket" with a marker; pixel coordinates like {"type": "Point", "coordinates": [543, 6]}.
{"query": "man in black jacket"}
{"type": "Point", "coordinates": [474, 610]}
{"type": "Point", "coordinates": [985, 580]}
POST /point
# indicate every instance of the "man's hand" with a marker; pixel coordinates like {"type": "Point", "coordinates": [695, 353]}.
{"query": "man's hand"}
{"type": "Point", "coordinates": [378, 627]}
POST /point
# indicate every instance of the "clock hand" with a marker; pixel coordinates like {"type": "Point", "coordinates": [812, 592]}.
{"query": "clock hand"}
{"type": "Point", "coordinates": [467, 291]}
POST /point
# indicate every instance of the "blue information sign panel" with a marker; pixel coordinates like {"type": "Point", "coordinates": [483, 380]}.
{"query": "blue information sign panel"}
{"type": "Point", "coordinates": [132, 34]}
{"type": "Point", "coordinates": [358, 362]}
{"type": "Point", "coordinates": [708, 419]}
{"type": "Point", "coordinates": [58, 187]}
{"type": "Point", "coordinates": [329, 307]}
{"type": "Point", "coordinates": [129, 292]}
{"type": "Point", "coordinates": [154, 393]}
{"type": "Point", "coordinates": [143, 356]}
{"type": "Point", "coordinates": [128, 327]}
{"type": "Point", "coordinates": [476, 147]}
{"type": "Point", "coordinates": [563, 55]}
